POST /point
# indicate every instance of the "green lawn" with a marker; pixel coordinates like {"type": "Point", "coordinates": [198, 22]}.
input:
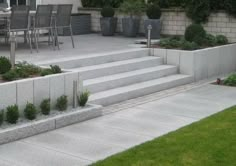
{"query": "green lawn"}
{"type": "Point", "coordinates": [210, 142]}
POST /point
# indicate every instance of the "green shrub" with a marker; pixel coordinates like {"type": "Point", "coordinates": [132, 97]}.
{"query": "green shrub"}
{"type": "Point", "coordinates": [107, 12]}
{"type": "Point", "coordinates": [231, 80]}
{"type": "Point", "coordinates": [45, 107]}
{"type": "Point", "coordinates": [169, 43]}
{"type": "Point", "coordinates": [10, 75]}
{"type": "Point", "coordinates": [55, 69]}
{"type": "Point", "coordinates": [195, 33]}
{"type": "Point", "coordinates": [132, 7]}
{"type": "Point", "coordinates": [83, 98]}
{"type": "Point", "coordinates": [198, 10]}
{"type": "Point", "coordinates": [25, 69]}
{"type": "Point", "coordinates": [12, 114]}
{"type": "Point", "coordinates": [1, 117]}
{"type": "Point", "coordinates": [186, 45]}
{"type": "Point", "coordinates": [230, 7]}
{"type": "Point", "coordinates": [62, 103]}
{"type": "Point", "coordinates": [30, 111]}
{"type": "Point", "coordinates": [221, 40]}
{"type": "Point", "coordinates": [210, 40]}
{"type": "Point", "coordinates": [46, 72]}
{"type": "Point", "coordinates": [5, 65]}
{"type": "Point", "coordinates": [153, 11]}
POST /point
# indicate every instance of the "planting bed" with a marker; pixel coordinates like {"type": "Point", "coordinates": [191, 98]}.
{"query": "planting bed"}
{"type": "Point", "coordinates": [24, 128]}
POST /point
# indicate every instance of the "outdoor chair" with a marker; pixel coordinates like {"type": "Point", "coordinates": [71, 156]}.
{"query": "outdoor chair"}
{"type": "Point", "coordinates": [19, 21]}
{"type": "Point", "coordinates": [63, 20]}
{"type": "Point", "coordinates": [43, 21]}
{"type": "Point", "coordinates": [3, 21]}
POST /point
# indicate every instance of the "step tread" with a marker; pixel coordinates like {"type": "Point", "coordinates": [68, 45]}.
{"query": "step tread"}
{"type": "Point", "coordinates": [137, 86]}
{"type": "Point", "coordinates": [127, 74]}
{"type": "Point", "coordinates": [112, 64]}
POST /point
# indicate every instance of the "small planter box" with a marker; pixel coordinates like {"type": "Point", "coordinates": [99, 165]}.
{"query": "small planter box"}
{"type": "Point", "coordinates": [49, 123]}
{"type": "Point", "coordinates": [81, 24]}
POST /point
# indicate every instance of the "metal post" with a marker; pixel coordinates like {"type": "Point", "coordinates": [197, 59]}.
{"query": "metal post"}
{"type": "Point", "coordinates": [13, 50]}
{"type": "Point", "coordinates": [149, 36]}
{"type": "Point", "coordinates": [75, 95]}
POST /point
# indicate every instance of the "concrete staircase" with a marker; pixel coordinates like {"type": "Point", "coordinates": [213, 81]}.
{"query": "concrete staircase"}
{"type": "Point", "coordinates": [119, 76]}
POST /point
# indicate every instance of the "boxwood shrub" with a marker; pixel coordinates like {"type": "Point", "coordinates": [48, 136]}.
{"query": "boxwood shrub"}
{"type": "Point", "coordinates": [45, 107]}
{"type": "Point", "coordinates": [5, 65]}
{"type": "Point", "coordinates": [12, 114]}
{"type": "Point", "coordinates": [30, 111]}
{"type": "Point", "coordinates": [62, 103]}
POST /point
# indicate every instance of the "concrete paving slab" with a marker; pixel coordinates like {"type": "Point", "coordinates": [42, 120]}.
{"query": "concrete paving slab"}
{"type": "Point", "coordinates": [74, 146]}
{"type": "Point", "coordinates": [23, 154]}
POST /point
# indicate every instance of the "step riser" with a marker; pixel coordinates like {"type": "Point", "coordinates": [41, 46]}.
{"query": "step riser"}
{"type": "Point", "coordinates": [119, 69]}
{"type": "Point", "coordinates": [98, 87]}
{"type": "Point", "coordinates": [141, 92]}
{"type": "Point", "coordinates": [90, 61]}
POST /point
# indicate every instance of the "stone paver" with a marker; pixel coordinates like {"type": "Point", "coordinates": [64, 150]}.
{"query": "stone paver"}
{"type": "Point", "coordinates": [87, 142]}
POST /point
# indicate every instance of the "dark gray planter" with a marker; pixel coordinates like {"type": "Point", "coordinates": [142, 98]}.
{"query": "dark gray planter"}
{"type": "Point", "coordinates": [108, 26]}
{"type": "Point", "coordinates": [130, 26]}
{"type": "Point", "coordinates": [156, 28]}
{"type": "Point", "coordinates": [81, 24]}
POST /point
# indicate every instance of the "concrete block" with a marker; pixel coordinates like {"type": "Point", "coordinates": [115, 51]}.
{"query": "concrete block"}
{"type": "Point", "coordinates": [161, 53]}
{"type": "Point", "coordinates": [213, 61]}
{"type": "Point", "coordinates": [173, 57]}
{"type": "Point", "coordinates": [7, 94]}
{"type": "Point", "coordinates": [200, 65]}
{"type": "Point", "coordinates": [41, 89]}
{"type": "Point", "coordinates": [187, 62]}
{"type": "Point", "coordinates": [25, 92]}
{"type": "Point", "coordinates": [57, 88]}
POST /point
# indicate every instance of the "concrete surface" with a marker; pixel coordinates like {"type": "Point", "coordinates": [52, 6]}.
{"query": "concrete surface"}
{"type": "Point", "coordinates": [87, 142]}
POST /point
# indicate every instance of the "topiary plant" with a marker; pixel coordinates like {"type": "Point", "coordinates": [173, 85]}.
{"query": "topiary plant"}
{"type": "Point", "coordinates": [83, 98]}
{"type": "Point", "coordinates": [5, 65]}
{"type": "Point", "coordinates": [62, 103]}
{"type": "Point", "coordinates": [221, 40]}
{"type": "Point", "coordinates": [12, 114]}
{"type": "Point", "coordinates": [132, 7]}
{"type": "Point", "coordinates": [153, 11]}
{"type": "Point", "coordinates": [1, 117]}
{"type": "Point", "coordinates": [45, 107]}
{"type": "Point", "coordinates": [195, 33]}
{"type": "Point", "coordinates": [107, 12]}
{"type": "Point", "coordinates": [30, 112]}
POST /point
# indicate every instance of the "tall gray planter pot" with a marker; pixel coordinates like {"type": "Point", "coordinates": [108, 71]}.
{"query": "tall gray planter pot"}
{"type": "Point", "coordinates": [156, 28]}
{"type": "Point", "coordinates": [130, 26]}
{"type": "Point", "coordinates": [108, 26]}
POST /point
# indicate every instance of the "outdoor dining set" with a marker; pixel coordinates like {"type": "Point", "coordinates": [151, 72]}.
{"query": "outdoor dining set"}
{"type": "Point", "coordinates": [46, 18]}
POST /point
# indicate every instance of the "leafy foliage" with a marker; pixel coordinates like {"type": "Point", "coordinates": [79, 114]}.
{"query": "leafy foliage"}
{"type": "Point", "coordinates": [54, 69]}
{"type": "Point", "coordinates": [62, 103]}
{"type": "Point", "coordinates": [1, 117]}
{"type": "Point", "coordinates": [30, 111]}
{"type": "Point", "coordinates": [5, 65]}
{"type": "Point", "coordinates": [83, 98]}
{"type": "Point", "coordinates": [132, 7]}
{"type": "Point", "coordinates": [195, 33]}
{"type": "Point", "coordinates": [230, 6]}
{"type": "Point", "coordinates": [107, 12]}
{"type": "Point", "coordinates": [45, 107]}
{"type": "Point", "coordinates": [221, 40]}
{"type": "Point", "coordinates": [153, 11]}
{"type": "Point", "coordinates": [231, 80]}
{"type": "Point", "coordinates": [12, 114]}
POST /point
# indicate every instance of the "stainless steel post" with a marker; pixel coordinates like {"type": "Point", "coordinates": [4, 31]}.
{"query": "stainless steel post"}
{"type": "Point", "coordinates": [13, 50]}
{"type": "Point", "coordinates": [149, 36]}
{"type": "Point", "coordinates": [75, 95]}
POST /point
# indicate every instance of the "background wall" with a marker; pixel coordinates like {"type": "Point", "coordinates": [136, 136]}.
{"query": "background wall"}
{"type": "Point", "coordinates": [174, 22]}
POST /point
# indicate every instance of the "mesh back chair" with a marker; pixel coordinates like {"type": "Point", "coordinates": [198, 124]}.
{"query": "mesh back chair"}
{"type": "Point", "coordinates": [3, 21]}
{"type": "Point", "coordinates": [63, 20]}
{"type": "Point", "coordinates": [19, 21]}
{"type": "Point", "coordinates": [43, 20]}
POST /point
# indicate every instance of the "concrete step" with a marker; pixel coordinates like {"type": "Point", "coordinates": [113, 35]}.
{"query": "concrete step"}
{"type": "Point", "coordinates": [117, 95]}
{"type": "Point", "coordinates": [118, 80]}
{"type": "Point", "coordinates": [96, 59]}
{"type": "Point", "coordinates": [106, 69]}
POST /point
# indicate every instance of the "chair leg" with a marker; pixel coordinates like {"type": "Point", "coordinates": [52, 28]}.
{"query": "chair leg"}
{"type": "Point", "coordinates": [71, 35]}
{"type": "Point", "coordinates": [30, 42]}
{"type": "Point", "coordinates": [52, 37]}
{"type": "Point", "coordinates": [56, 38]}
{"type": "Point", "coordinates": [36, 41]}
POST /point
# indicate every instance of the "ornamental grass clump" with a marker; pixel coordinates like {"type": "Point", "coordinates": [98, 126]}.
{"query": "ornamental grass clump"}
{"type": "Point", "coordinates": [62, 103]}
{"type": "Point", "coordinates": [12, 114]}
{"type": "Point", "coordinates": [83, 98]}
{"type": "Point", "coordinates": [45, 107]}
{"type": "Point", "coordinates": [30, 112]}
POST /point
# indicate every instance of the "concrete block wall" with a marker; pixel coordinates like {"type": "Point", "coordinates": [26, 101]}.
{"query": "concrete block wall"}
{"type": "Point", "coordinates": [174, 22]}
{"type": "Point", "coordinates": [201, 64]}
{"type": "Point", "coordinates": [35, 90]}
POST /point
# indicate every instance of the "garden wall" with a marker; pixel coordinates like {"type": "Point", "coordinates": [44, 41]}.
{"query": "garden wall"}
{"type": "Point", "coordinates": [35, 90]}
{"type": "Point", "coordinates": [201, 64]}
{"type": "Point", "coordinates": [174, 22]}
